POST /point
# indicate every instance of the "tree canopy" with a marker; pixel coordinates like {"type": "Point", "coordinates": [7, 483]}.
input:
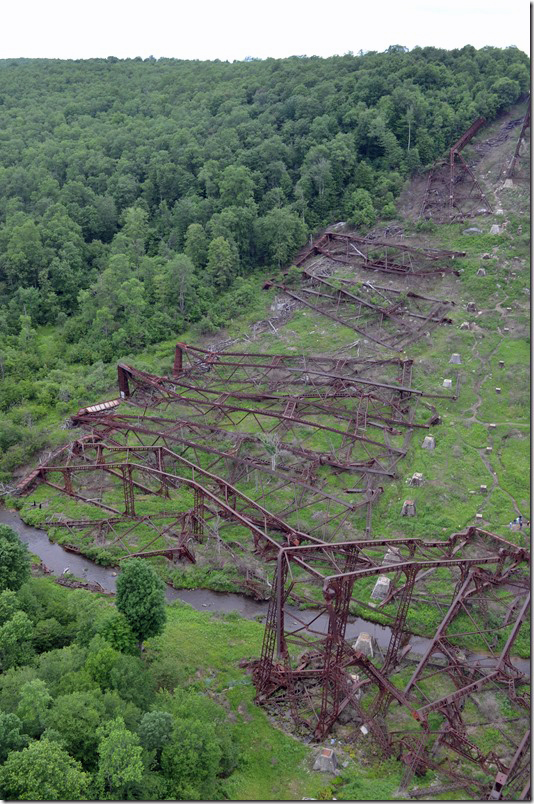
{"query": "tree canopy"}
{"type": "Point", "coordinates": [14, 560]}
{"type": "Point", "coordinates": [42, 772]}
{"type": "Point", "coordinates": [141, 598]}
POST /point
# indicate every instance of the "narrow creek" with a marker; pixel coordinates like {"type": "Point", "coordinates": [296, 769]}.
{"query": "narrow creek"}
{"type": "Point", "coordinates": [57, 559]}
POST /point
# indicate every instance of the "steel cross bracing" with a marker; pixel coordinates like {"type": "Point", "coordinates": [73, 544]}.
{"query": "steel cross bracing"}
{"type": "Point", "coordinates": [383, 256]}
{"type": "Point", "coordinates": [154, 427]}
{"type": "Point", "coordinates": [302, 421]}
{"type": "Point", "coordinates": [349, 423]}
{"type": "Point", "coordinates": [520, 143]}
{"type": "Point", "coordinates": [394, 320]}
{"type": "Point", "coordinates": [286, 490]}
{"type": "Point", "coordinates": [476, 582]}
{"type": "Point", "coordinates": [195, 503]}
{"type": "Point", "coordinates": [234, 454]}
{"type": "Point", "coordinates": [451, 194]}
{"type": "Point", "coordinates": [322, 377]}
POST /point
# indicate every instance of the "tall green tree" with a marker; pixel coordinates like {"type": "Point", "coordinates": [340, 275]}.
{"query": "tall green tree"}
{"type": "Point", "coordinates": [120, 764]}
{"type": "Point", "coordinates": [43, 772]}
{"type": "Point", "coordinates": [76, 716]}
{"type": "Point", "coordinates": [141, 598]}
{"type": "Point", "coordinates": [282, 233]}
{"type": "Point", "coordinates": [11, 737]}
{"type": "Point", "coordinates": [15, 641]}
{"type": "Point", "coordinates": [35, 700]}
{"type": "Point", "coordinates": [196, 245]}
{"type": "Point", "coordinates": [222, 264]}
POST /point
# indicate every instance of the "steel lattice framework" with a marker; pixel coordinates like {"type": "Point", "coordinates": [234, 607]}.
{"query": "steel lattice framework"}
{"type": "Point", "coordinates": [383, 256]}
{"type": "Point", "coordinates": [453, 194]}
{"type": "Point", "coordinates": [253, 456]}
{"type": "Point", "coordinates": [478, 584]}
{"type": "Point", "coordinates": [389, 323]}
{"type": "Point", "coordinates": [521, 144]}
{"type": "Point", "coordinates": [252, 427]}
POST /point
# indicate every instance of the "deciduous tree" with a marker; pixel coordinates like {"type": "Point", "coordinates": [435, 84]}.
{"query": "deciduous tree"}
{"type": "Point", "coordinates": [43, 772]}
{"type": "Point", "coordinates": [14, 560]}
{"type": "Point", "coordinates": [141, 598]}
{"type": "Point", "coordinates": [120, 765]}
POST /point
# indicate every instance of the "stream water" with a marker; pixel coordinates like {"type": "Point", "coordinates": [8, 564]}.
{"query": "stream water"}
{"type": "Point", "coordinates": [57, 559]}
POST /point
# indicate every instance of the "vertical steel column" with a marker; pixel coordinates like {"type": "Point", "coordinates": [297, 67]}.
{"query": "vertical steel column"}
{"type": "Point", "coordinates": [178, 360]}
{"type": "Point", "coordinates": [337, 599]}
{"type": "Point", "coordinates": [127, 485]}
{"type": "Point", "coordinates": [198, 519]}
{"type": "Point", "coordinates": [122, 375]}
{"type": "Point", "coordinates": [67, 479]}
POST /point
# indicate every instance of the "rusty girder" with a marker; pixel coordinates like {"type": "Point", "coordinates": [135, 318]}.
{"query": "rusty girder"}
{"type": "Point", "coordinates": [470, 578]}
{"type": "Point", "coordinates": [306, 375]}
{"type": "Point", "coordinates": [269, 417]}
{"type": "Point", "coordinates": [191, 501]}
{"type": "Point", "coordinates": [171, 431]}
{"type": "Point", "coordinates": [387, 324]}
{"type": "Point", "coordinates": [452, 194]}
{"type": "Point", "coordinates": [287, 493]}
{"type": "Point", "coordinates": [520, 143]}
{"type": "Point", "coordinates": [326, 380]}
{"type": "Point", "coordinates": [383, 256]}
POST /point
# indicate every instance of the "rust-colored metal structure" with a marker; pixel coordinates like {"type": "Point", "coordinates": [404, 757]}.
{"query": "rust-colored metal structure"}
{"type": "Point", "coordinates": [476, 583]}
{"type": "Point", "coordinates": [385, 316]}
{"type": "Point", "coordinates": [252, 458]}
{"type": "Point", "coordinates": [196, 424]}
{"type": "Point", "coordinates": [383, 256]}
{"type": "Point", "coordinates": [243, 427]}
{"type": "Point", "coordinates": [452, 194]}
{"type": "Point", "coordinates": [520, 144]}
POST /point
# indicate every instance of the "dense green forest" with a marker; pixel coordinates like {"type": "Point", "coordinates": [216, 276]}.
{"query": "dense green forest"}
{"type": "Point", "coordinates": [82, 716]}
{"type": "Point", "coordinates": [137, 197]}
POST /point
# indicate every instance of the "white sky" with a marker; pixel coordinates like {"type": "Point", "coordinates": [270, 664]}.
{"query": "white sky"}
{"type": "Point", "coordinates": [234, 29]}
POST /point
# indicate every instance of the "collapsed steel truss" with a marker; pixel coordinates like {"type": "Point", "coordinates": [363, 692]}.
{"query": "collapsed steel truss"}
{"type": "Point", "coordinates": [383, 256]}
{"type": "Point", "coordinates": [266, 494]}
{"type": "Point", "coordinates": [254, 455]}
{"type": "Point", "coordinates": [387, 321]}
{"type": "Point", "coordinates": [249, 430]}
{"type": "Point", "coordinates": [451, 193]}
{"type": "Point", "coordinates": [320, 374]}
{"type": "Point", "coordinates": [194, 503]}
{"type": "Point", "coordinates": [476, 582]}
{"type": "Point", "coordinates": [520, 144]}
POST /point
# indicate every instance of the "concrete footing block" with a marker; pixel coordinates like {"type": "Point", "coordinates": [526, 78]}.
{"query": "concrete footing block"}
{"type": "Point", "coordinates": [408, 508]}
{"type": "Point", "coordinates": [381, 588]}
{"type": "Point", "coordinates": [325, 761]}
{"type": "Point", "coordinates": [364, 644]}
